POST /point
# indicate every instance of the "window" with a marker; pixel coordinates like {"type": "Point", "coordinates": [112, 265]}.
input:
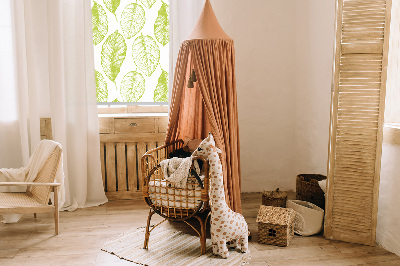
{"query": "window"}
{"type": "Point", "coordinates": [131, 50]}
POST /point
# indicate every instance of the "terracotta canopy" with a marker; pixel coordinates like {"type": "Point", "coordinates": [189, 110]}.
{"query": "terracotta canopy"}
{"type": "Point", "coordinates": [211, 105]}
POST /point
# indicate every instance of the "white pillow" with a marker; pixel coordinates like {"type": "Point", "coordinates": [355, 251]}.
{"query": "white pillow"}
{"type": "Point", "coordinates": [322, 184]}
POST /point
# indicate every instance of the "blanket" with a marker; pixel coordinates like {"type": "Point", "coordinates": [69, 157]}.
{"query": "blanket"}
{"type": "Point", "coordinates": [176, 170]}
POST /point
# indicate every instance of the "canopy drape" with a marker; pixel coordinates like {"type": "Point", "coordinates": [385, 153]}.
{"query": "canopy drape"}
{"type": "Point", "coordinates": [211, 106]}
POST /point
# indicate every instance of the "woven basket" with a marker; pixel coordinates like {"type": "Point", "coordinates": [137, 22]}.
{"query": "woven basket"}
{"type": "Point", "coordinates": [277, 235]}
{"type": "Point", "coordinates": [308, 189]}
{"type": "Point", "coordinates": [275, 225]}
{"type": "Point", "coordinates": [274, 198]}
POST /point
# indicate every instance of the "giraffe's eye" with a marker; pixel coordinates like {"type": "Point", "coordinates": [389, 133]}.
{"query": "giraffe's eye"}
{"type": "Point", "coordinates": [199, 149]}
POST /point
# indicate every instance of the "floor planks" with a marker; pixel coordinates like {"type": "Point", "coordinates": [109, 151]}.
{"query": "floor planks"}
{"type": "Point", "coordinates": [83, 232]}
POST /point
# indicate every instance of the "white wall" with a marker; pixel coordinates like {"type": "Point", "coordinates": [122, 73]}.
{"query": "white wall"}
{"type": "Point", "coordinates": [284, 52]}
{"type": "Point", "coordinates": [314, 60]}
{"type": "Point", "coordinates": [388, 227]}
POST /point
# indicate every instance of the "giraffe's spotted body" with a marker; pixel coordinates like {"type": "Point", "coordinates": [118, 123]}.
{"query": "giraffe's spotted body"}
{"type": "Point", "coordinates": [226, 225]}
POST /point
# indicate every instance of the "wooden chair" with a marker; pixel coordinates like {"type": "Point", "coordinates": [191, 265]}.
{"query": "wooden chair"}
{"type": "Point", "coordinates": [36, 197]}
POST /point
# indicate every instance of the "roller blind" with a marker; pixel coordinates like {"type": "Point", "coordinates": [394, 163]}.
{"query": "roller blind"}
{"type": "Point", "coordinates": [358, 97]}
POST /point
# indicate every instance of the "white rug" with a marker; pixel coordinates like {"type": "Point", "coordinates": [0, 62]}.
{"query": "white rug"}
{"type": "Point", "coordinates": [168, 247]}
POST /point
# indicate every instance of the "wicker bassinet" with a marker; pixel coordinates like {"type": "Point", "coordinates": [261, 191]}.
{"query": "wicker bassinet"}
{"type": "Point", "coordinates": [170, 202]}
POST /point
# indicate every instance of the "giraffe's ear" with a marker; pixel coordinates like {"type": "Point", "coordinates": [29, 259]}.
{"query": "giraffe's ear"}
{"type": "Point", "coordinates": [216, 149]}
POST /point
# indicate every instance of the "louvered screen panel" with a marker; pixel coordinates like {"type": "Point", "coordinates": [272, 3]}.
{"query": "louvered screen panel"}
{"type": "Point", "coordinates": [358, 96]}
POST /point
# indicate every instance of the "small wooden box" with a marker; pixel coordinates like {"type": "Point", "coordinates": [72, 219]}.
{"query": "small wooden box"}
{"type": "Point", "coordinates": [274, 198]}
{"type": "Point", "coordinates": [275, 225]}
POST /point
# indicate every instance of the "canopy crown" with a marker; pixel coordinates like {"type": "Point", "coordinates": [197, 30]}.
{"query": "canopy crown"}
{"type": "Point", "coordinates": [207, 26]}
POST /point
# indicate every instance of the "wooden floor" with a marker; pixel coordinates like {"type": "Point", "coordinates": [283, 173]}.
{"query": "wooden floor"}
{"type": "Point", "coordinates": [83, 232]}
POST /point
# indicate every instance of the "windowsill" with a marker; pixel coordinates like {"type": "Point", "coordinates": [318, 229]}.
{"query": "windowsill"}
{"type": "Point", "coordinates": [391, 133]}
{"type": "Point", "coordinates": [132, 110]}
{"type": "Point", "coordinates": [124, 115]}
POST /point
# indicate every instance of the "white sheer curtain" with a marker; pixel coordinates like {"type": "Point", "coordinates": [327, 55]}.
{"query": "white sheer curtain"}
{"type": "Point", "coordinates": [54, 78]}
{"type": "Point", "coordinates": [183, 17]}
{"type": "Point", "coordinates": [9, 126]}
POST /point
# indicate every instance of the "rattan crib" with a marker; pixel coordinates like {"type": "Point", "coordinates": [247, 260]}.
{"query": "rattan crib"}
{"type": "Point", "coordinates": [170, 202]}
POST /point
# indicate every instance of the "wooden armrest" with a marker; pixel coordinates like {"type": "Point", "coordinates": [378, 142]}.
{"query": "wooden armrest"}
{"type": "Point", "coordinates": [28, 184]}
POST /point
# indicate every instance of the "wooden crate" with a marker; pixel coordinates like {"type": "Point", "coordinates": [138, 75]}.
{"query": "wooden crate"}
{"type": "Point", "coordinates": [123, 141]}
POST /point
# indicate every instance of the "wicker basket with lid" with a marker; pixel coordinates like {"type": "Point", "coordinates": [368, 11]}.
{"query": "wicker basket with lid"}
{"type": "Point", "coordinates": [274, 198]}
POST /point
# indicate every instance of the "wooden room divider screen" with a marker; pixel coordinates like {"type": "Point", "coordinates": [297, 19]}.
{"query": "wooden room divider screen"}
{"type": "Point", "coordinates": [358, 97]}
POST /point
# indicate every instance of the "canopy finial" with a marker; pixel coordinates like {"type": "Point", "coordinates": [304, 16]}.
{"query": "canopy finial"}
{"type": "Point", "coordinates": [207, 26]}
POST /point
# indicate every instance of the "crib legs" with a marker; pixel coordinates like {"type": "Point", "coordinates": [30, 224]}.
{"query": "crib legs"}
{"type": "Point", "coordinates": [203, 236]}
{"type": "Point", "coordinates": [203, 231]}
{"type": "Point", "coordinates": [203, 224]}
{"type": "Point", "coordinates": [147, 235]}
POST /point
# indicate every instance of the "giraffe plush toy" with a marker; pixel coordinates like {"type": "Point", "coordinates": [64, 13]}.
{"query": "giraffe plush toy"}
{"type": "Point", "coordinates": [226, 225]}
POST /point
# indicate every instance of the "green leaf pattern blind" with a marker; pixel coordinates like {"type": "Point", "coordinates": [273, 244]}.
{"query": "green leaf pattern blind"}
{"type": "Point", "coordinates": [131, 50]}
